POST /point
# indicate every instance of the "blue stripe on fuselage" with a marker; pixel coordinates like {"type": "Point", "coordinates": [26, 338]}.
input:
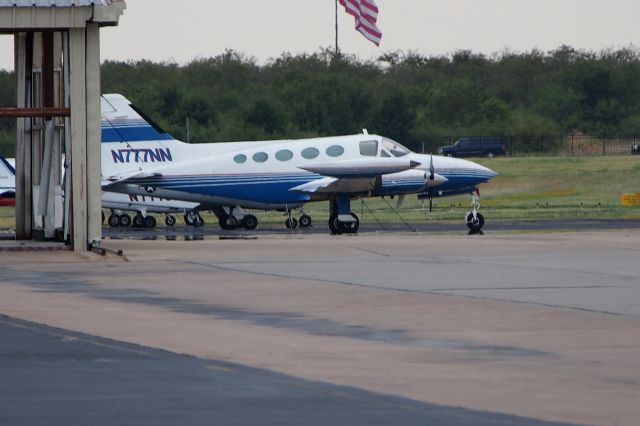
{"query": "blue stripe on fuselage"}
{"type": "Point", "coordinates": [456, 181]}
{"type": "Point", "coordinates": [273, 189]}
{"type": "Point", "coordinates": [132, 134]}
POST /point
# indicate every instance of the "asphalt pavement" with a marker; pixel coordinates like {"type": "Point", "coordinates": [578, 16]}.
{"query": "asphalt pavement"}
{"type": "Point", "coordinates": [50, 376]}
{"type": "Point", "coordinates": [189, 232]}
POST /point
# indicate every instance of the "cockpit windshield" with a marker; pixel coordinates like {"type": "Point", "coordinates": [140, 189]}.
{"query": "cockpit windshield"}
{"type": "Point", "coordinates": [394, 147]}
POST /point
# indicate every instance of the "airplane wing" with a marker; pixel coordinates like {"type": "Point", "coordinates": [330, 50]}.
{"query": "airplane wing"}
{"type": "Point", "coordinates": [364, 175]}
{"type": "Point", "coordinates": [352, 176]}
{"type": "Point", "coordinates": [330, 185]}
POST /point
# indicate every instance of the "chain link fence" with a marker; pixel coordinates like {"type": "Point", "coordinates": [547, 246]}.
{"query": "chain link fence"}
{"type": "Point", "coordinates": [548, 145]}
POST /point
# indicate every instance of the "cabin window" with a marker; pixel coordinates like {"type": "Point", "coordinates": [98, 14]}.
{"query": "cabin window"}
{"type": "Point", "coordinates": [260, 157]}
{"type": "Point", "coordinates": [335, 151]}
{"type": "Point", "coordinates": [395, 148]}
{"type": "Point", "coordinates": [369, 148]}
{"type": "Point", "coordinates": [240, 158]}
{"type": "Point", "coordinates": [284, 155]}
{"type": "Point", "coordinates": [310, 153]}
{"type": "Point", "coordinates": [384, 153]}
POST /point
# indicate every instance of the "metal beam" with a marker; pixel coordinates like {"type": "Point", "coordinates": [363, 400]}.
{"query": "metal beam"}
{"type": "Point", "coordinates": [78, 130]}
{"type": "Point", "coordinates": [94, 135]}
{"type": "Point", "coordinates": [11, 112]}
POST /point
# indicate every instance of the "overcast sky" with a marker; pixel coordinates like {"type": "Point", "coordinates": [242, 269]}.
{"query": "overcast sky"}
{"type": "Point", "coordinates": [169, 30]}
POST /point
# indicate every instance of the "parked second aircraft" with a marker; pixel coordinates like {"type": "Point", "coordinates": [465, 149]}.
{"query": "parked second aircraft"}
{"type": "Point", "coordinates": [7, 182]}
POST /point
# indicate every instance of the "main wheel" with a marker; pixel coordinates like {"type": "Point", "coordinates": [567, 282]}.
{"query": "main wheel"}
{"type": "Point", "coordinates": [334, 225]}
{"type": "Point", "coordinates": [190, 218]}
{"type": "Point", "coordinates": [305, 221]}
{"type": "Point", "coordinates": [149, 221]}
{"type": "Point", "coordinates": [291, 223]}
{"type": "Point", "coordinates": [138, 221]}
{"type": "Point", "coordinates": [349, 227]}
{"type": "Point", "coordinates": [124, 220]}
{"type": "Point", "coordinates": [474, 224]}
{"type": "Point", "coordinates": [227, 221]}
{"type": "Point", "coordinates": [169, 220]}
{"type": "Point", "coordinates": [352, 227]}
{"type": "Point", "coordinates": [199, 222]}
{"type": "Point", "coordinates": [113, 220]}
{"type": "Point", "coordinates": [249, 222]}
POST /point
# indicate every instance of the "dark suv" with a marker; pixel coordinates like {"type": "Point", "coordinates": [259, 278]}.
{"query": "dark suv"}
{"type": "Point", "coordinates": [488, 146]}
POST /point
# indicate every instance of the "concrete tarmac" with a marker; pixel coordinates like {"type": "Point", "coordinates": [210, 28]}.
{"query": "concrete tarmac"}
{"type": "Point", "coordinates": [542, 326]}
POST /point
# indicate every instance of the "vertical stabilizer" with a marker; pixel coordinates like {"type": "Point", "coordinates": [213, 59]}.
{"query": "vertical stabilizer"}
{"type": "Point", "coordinates": [123, 122]}
{"type": "Point", "coordinates": [7, 179]}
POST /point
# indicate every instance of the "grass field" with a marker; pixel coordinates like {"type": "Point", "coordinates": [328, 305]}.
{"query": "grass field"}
{"type": "Point", "coordinates": [527, 188]}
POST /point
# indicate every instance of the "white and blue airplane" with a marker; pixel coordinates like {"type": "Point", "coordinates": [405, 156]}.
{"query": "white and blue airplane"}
{"type": "Point", "coordinates": [138, 157]}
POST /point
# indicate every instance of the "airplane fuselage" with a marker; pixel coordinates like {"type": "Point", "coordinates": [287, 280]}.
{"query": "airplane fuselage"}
{"type": "Point", "coordinates": [262, 174]}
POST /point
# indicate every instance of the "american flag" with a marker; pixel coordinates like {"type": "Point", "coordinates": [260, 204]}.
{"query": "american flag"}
{"type": "Point", "coordinates": [366, 14]}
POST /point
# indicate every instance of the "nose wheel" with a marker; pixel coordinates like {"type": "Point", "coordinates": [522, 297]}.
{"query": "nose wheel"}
{"type": "Point", "coordinates": [304, 221]}
{"type": "Point", "coordinates": [474, 223]}
{"type": "Point", "coordinates": [474, 219]}
{"type": "Point", "coordinates": [169, 220]}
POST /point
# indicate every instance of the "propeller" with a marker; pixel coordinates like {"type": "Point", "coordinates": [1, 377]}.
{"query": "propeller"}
{"type": "Point", "coordinates": [432, 169]}
{"type": "Point", "coordinates": [432, 176]}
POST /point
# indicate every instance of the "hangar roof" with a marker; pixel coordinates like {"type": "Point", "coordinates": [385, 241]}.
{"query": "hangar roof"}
{"type": "Point", "coordinates": [16, 15]}
{"type": "Point", "coordinates": [49, 3]}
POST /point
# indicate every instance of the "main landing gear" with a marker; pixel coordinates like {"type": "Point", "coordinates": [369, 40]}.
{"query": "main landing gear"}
{"type": "Point", "coordinates": [474, 219]}
{"type": "Point", "coordinates": [119, 219]}
{"type": "Point", "coordinates": [193, 218]}
{"type": "Point", "coordinates": [304, 221]}
{"type": "Point", "coordinates": [341, 220]}
{"type": "Point", "coordinates": [140, 220]}
{"type": "Point", "coordinates": [235, 218]}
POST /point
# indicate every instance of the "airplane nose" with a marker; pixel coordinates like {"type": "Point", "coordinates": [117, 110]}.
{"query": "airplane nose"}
{"type": "Point", "coordinates": [479, 171]}
{"type": "Point", "coordinates": [487, 172]}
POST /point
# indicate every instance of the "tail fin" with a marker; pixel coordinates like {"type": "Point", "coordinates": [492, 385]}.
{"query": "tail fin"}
{"type": "Point", "coordinates": [123, 122]}
{"type": "Point", "coordinates": [7, 178]}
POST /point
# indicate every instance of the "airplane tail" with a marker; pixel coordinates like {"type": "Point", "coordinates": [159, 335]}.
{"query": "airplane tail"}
{"type": "Point", "coordinates": [123, 122]}
{"type": "Point", "coordinates": [131, 141]}
{"type": "Point", "coordinates": [7, 182]}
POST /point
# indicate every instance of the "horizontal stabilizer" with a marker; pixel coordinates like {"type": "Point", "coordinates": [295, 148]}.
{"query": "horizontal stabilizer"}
{"type": "Point", "coordinates": [112, 180]}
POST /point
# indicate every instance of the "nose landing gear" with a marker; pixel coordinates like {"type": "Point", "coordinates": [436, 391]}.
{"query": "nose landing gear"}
{"type": "Point", "coordinates": [474, 219]}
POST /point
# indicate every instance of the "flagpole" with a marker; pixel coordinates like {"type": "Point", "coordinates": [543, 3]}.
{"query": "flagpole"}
{"type": "Point", "coordinates": [337, 50]}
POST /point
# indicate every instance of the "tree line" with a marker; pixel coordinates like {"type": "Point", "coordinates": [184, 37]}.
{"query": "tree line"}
{"type": "Point", "coordinates": [403, 95]}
